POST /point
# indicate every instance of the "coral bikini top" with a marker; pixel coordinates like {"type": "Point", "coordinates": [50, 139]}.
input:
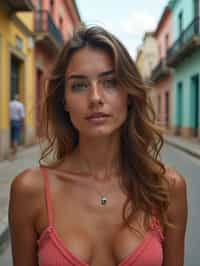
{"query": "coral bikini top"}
{"type": "Point", "coordinates": [52, 251]}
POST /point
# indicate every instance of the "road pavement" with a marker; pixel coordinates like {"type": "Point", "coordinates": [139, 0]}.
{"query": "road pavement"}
{"type": "Point", "coordinates": [189, 167]}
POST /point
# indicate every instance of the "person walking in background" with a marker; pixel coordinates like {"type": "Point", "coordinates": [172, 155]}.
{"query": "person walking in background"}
{"type": "Point", "coordinates": [16, 120]}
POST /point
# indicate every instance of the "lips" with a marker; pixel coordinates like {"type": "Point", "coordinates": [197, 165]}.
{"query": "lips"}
{"type": "Point", "coordinates": [97, 115]}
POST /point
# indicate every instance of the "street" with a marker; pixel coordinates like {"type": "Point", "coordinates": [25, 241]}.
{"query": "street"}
{"type": "Point", "coordinates": [189, 167]}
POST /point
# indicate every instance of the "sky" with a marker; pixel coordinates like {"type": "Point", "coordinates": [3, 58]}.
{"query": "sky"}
{"type": "Point", "coordinates": [127, 19]}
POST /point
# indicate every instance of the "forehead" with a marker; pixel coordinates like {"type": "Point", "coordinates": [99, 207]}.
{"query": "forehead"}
{"type": "Point", "coordinates": [90, 61]}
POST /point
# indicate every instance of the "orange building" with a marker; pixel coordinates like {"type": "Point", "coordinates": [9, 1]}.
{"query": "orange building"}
{"type": "Point", "coordinates": [53, 21]}
{"type": "Point", "coordinates": [161, 74]}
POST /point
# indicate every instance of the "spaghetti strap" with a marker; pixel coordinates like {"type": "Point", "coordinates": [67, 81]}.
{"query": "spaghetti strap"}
{"type": "Point", "coordinates": [47, 195]}
{"type": "Point", "coordinates": [155, 225]}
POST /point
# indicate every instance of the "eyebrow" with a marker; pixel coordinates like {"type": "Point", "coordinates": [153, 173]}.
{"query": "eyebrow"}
{"type": "Point", "coordinates": [102, 74]}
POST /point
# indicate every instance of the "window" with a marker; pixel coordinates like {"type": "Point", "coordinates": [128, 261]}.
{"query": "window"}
{"type": "Point", "coordinates": [167, 108]}
{"type": "Point", "coordinates": [61, 24]}
{"type": "Point", "coordinates": [196, 8]}
{"type": "Point", "coordinates": [18, 42]}
{"type": "Point", "coordinates": [159, 50]}
{"type": "Point", "coordinates": [196, 16]}
{"type": "Point", "coordinates": [38, 5]}
{"type": "Point", "coordinates": [166, 42]}
{"type": "Point", "coordinates": [52, 6]}
{"type": "Point", "coordinates": [159, 105]}
{"type": "Point", "coordinates": [180, 22]}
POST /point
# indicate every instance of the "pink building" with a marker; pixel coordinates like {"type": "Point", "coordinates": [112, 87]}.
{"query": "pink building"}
{"type": "Point", "coordinates": [161, 74]}
{"type": "Point", "coordinates": [54, 20]}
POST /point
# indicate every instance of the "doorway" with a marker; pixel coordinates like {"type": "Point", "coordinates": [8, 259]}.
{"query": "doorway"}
{"type": "Point", "coordinates": [196, 16]}
{"type": "Point", "coordinates": [167, 109]}
{"type": "Point", "coordinates": [195, 102]}
{"type": "Point", "coordinates": [16, 85]}
{"type": "Point", "coordinates": [14, 76]}
{"type": "Point", "coordinates": [38, 99]}
{"type": "Point", "coordinates": [179, 107]}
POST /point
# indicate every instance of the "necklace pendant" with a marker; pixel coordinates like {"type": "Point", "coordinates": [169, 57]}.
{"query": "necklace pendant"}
{"type": "Point", "coordinates": [103, 200]}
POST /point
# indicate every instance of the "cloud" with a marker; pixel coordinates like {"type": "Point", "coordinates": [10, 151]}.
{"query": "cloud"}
{"type": "Point", "coordinates": [137, 23]}
{"type": "Point", "coordinates": [134, 27]}
{"type": "Point", "coordinates": [130, 29]}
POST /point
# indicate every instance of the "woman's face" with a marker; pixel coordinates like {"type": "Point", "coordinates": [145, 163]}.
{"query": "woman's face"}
{"type": "Point", "coordinates": [97, 105]}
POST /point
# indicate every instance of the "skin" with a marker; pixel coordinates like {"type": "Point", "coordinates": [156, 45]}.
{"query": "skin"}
{"type": "Point", "coordinates": [97, 154]}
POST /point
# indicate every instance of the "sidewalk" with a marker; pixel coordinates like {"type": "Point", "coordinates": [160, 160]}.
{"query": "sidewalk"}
{"type": "Point", "coordinates": [29, 158]}
{"type": "Point", "coordinates": [191, 146]}
{"type": "Point", "coordinates": [8, 170]}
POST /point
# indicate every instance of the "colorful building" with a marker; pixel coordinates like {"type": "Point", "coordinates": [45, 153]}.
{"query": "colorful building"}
{"type": "Point", "coordinates": [16, 67]}
{"type": "Point", "coordinates": [54, 21]}
{"type": "Point", "coordinates": [140, 60]}
{"type": "Point", "coordinates": [147, 56]}
{"type": "Point", "coordinates": [184, 58]}
{"type": "Point", "coordinates": [146, 60]}
{"type": "Point", "coordinates": [161, 74]}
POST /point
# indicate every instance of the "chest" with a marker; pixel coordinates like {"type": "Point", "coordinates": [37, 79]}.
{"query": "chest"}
{"type": "Point", "coordinates": [94, 233]}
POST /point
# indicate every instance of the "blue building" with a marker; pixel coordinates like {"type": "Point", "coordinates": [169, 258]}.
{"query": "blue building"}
{"type": "Point", "coordinates": [184, 58]}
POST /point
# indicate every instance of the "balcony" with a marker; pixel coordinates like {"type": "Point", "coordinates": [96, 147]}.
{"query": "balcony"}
{"type": "Point", "coordinates": [47, 34]}
{"type": "Point", "coordinates": [160, 70]}
{"type": "Point", "coordinates": [18, 5]}
{"type": "Point", "coordinates": [188, 41]}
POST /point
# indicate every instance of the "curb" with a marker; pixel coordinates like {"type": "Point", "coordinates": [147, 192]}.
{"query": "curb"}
{"type": "Point", "coordinates": [183, 148]}
{"type": "Point", "coordinates": [4, 235]}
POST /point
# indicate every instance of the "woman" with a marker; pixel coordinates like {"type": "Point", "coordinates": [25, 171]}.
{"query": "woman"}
{"type": "Point", "coordinates": [104, 199]}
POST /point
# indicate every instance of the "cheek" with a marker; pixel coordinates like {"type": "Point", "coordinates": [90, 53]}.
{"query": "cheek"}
{"type": "Point", "coordinates": [72, 104]}
{"type": "Point", "coordinates": [75, 107]}
{"type": "Point", "coordinates": [119, 109]}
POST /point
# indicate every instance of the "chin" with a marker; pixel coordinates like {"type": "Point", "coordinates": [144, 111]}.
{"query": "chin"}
{"type": "Point", "coordinates": [100, 132]}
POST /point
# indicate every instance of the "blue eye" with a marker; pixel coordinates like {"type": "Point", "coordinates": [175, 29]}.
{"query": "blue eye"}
{"type": "Point", "coordinates": [79, 86]}
{"type": "Point", "coordinates": [109, 83]}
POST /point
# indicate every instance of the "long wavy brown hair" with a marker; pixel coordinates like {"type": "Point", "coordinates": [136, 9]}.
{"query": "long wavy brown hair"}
{"type": "Point", "coordinates": [144, 179]}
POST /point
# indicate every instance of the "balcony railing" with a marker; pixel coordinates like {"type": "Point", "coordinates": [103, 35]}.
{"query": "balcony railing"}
{"type": "Point", "coordinates": [19, 5]}
{"type": "Point", "coordinates": [186, 36]}
{"type": "Point", "coordinates": [44, 24]}
{"type": "Point", "coordinates": [160, 70]}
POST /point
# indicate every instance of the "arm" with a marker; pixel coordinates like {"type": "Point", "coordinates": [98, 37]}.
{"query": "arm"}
{"type": "Point", "coordinates": [174, 237]}
{"type": "Point", "coordinates": [21, 220]}
{"type": "Point", "coordinates": [22, 114]}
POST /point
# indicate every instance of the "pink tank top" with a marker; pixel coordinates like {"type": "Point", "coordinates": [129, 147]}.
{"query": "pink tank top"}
{"type": "Point", "coordinates": [52, 251]}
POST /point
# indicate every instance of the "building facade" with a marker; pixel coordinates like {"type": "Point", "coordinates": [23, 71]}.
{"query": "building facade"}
{"type": "Point", "coordinates": [54, 21]}
{"type": "Point", "coordinates": [184, 58]}
{"type": "Point", "coordinates": [161, 74]}
{"type": "Point", "coordinates": [146, 59]}
{"type": "Point", "coordinates": [147, 56]}
{"type": "Point", "coordinates": [16, 67]}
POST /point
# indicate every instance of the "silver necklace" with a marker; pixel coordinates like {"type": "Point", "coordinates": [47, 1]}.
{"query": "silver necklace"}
{"type": "Point", "coordinates": [103, 200]}
{"type": "Point", "coordinates": [103, 197]}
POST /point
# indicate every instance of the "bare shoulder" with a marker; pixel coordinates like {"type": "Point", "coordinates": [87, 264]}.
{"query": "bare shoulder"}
{"type": "Point", "coordinates": [27, 183]}
{"type": "Point", "coordinates": [24, 206]}
{"type": "Point", "coordinates": [178, 195]}
{"type": "Point", "coordinates": [177, 182]}
{"type": "Point", "coordinates": [173, 245]}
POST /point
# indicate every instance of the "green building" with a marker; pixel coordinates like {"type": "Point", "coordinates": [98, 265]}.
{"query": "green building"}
{"type": "Point", "coordinates": [184, 58]}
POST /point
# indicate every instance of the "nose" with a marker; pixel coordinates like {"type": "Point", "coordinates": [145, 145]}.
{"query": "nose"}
{"type": "Point", "coordinates": [95, 95]}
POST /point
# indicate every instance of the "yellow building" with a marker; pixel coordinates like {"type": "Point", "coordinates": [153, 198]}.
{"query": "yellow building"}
{"type": "Point", "coordinates": [140, 60]}
{"type": "Point", "coordinates": [147, 56]}
{"type": "Point", "coordinates": [16, 67]}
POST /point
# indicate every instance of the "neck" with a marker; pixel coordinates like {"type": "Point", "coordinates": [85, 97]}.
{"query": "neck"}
{"type": "Point", "coordinates": [99, 156]}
